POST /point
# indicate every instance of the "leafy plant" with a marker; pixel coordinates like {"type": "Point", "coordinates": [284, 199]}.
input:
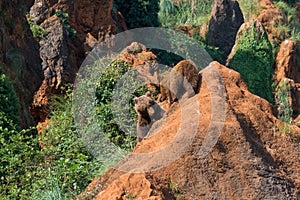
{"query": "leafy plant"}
{"type": "Point", "coordinates": [105, 108]}
{"type": "Point", "coordinates": [290, 28]}
{"type": "Point", "coordinates": [250, 8]}
{"type": "Point", "coordinates": [61, 169]}
{"type": "Point", "coordinates": [9, 106]}
{"type": "Point", "coordinates": [71, 32]}
{"type": "Point", "coordinates": [19, 158]}
{"type": "Point", "coordinates": [129, 195]}
{"type": "Point", "coordinates": [253, 58]}
{"type": "Point", "coordinates": [139, 13]}
{"type": "Point", "coordinates": [176, 191]}
{"type": "Point", "coordinates": [53, 191]}
{"type": "Point", "coordinates": [38, 32]}
{"type": "Point", "coordinates": [167, 7]}
{"type": "Point", "coordinates": [64, 156]}
{"type": "Point", "coordinates": [283, 101]}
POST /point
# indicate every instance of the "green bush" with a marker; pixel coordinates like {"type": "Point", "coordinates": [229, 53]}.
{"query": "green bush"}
{"type": "Point", "coordinates": [61, 169]}
{"type": "Point", "coordinates": [71, 32]}
{"type": "Point", "coordinates": [283, 101]}
{"type": "Point", "coordinates": [19, 160]}
{"type": "Point", "coordinates": [291, 28]}
{"type": "Point", "coordinates": [250, 8]}
{"type": "Point", "coordinates": [139, 13]}
{"type": "Point", "coordinates": [253, 58]}
{"type": "Point", "coordinates": [105, 108]}
{"type": "Point", "coordinates": [37, 31]}
{"type": "Point", "coordinates": [9, 102]}
{"type": "Point", "coordinates": [66, 166]}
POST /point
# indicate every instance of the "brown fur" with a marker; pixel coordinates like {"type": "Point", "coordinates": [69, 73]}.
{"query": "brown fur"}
{"type": "Point", "coordinates": [148, 111]}
{"type": "Point", "coordinates": [172, 87]}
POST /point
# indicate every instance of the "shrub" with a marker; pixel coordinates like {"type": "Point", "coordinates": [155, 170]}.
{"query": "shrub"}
{"type": "Point", "coordinates": [253, 58]}
{"type": "Point", "coordinates": [37, 31]}
{"type": "Point", "coordinates": [139, 13]}
{"type": "Point", "coordinates": [105, 109]}
{"type": "Point", "coordinates": [19, 160]}
{"type": "Point", "coordinates": [71, 32]}
{"type": "Point", "coordinates": [292, 27]}
{"type": "Point", "coordinates": [66, 166]}
{"type": "Point", "coordinates": [283, 101]}
{"type": "Point", "coordinates": [9, 102]}
{"type": "Point", "coordinates": [62, 168]}
{"type": "Point", "coordinates": [250, 8]}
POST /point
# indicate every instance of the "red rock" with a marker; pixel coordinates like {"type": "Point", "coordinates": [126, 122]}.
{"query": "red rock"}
{"type": "Point", "coordinates": [250, 160]}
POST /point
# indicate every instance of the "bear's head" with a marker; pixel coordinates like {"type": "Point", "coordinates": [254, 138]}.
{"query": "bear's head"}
{"type": "Point", "coordinates": [143, 103]}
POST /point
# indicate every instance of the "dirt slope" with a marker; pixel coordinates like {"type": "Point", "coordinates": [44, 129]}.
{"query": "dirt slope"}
{"type": "Point", "coordinates": [253, 158]}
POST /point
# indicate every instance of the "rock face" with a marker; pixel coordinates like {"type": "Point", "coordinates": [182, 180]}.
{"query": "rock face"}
{"type": "Point", "coordinates": [287, 68]}
{"type": "Point", "coordinates": [251, 159]}
{"type": "Point", "coordinates": [271, 17]}
{"type": "Point", "coordinates": [61, 50]}
{"type": "Point", "coordinates": [16, 46]}
{"type": "Point", "coordinates": [224, 24]}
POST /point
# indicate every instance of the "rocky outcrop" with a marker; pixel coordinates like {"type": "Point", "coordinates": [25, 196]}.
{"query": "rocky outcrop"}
{"type": "Point", "coordinates": [287, 68]}
{"type": "Point", "coordinates": [251, 159]}
{"type": "Point", "coordinates": [19, 55]}
{"type": "Point", "coordinates": [224, 24]}
{"type": "Point", "coordinates": [272, 17]}
{"type": "Point", "coordinates": [72, 28]}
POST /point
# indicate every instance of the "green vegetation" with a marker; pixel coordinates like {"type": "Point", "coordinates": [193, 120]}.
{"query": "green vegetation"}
{"type": "Point", "coordinates": [191, 12]}
{"type": "Point", "coordinates": [290, 27]}
{"type": "Point", "coordinates": [9, 106]}
{"type": "Point", "coordinates": [250, 8]}
{"type": "Point", "coordinates": [18, 149]}
{"type": "Point", "coordinates": [71, 32]}
{"type": "Point", "coordinates": [64, 155]}
{"type": "Point", "coordinates": [61, 168]}
{"type": "Point", "coordinates": [105, 88]}
{"type": "Point", "coordinates": [37, 31]}
{"type": "Point", "coordinates": [139, 13]}
{"type": "Point", "coordinates": [129, 195]}
{"type": "Point", "coordinates": [55, 164]}
{"type": "Point", "coordinates": [176, 191]}
{"type": "Point", "coordinates": [18, 161]}
{"type": "Point", "coordinates": [253, 58]}
{"type": "Point", "coordinates": [283, 101]}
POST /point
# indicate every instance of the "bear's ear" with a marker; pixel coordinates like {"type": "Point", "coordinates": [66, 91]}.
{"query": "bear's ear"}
{"type": "Point", "coordinates": [148, 94]}
{"type": "Point", "coordinates": [135, 99]}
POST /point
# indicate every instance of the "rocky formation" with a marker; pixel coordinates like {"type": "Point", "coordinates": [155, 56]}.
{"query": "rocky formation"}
{"type": "Point", "coordinates": [251, 159]}
{"type": "Point", "coordinates": [145, 62]}
{"type": "Point", "coordinates": [16, 46]}
{"type": "Point", "coordinates": [225, 21]}
{"type": "Point", "coordinates": [287, 68]}
{"type": "Point", "coordinates": [272, 17]}
{"type": "Point", "coordinates": [72, 28]}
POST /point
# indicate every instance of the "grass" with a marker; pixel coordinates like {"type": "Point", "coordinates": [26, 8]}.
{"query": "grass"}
{"type": "Point", "coordinates": [250, 8]}
{"type": "Point", "coordinates": [289, 28]}
{"type": "Point", "coordinates": [283, 101]}
{"type": "Point", "coordinates": [190, 12]}
{"type": "Point", "coordinates": [176, 191]}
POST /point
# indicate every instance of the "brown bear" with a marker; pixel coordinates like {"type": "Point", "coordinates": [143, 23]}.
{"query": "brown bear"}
{"type": "Point", "coordinates": [148, 112]}
{"type": "Point", "coordinates": [179, 82]}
